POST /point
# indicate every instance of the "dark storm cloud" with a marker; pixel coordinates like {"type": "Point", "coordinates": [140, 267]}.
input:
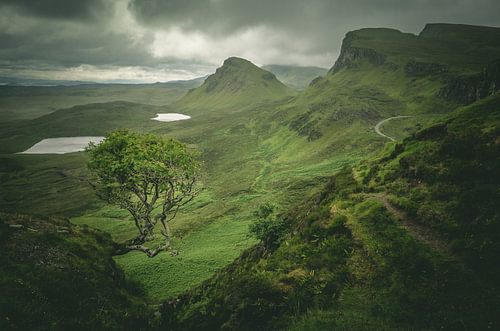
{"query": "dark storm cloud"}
{"type": "Point", "coordinates": [66, 9]}
{"type": "Point", "coordinates": [319, 24]}
{"type": "Point", "coordinates": [227, 16]}
{"type": "Point", "coordinates": [187, 34]}
{"type": "Point", "coordinates": [67, 33]}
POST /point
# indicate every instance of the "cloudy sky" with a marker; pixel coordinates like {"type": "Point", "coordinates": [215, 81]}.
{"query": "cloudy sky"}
{"type": "Point", "coordinates": [159, 40]}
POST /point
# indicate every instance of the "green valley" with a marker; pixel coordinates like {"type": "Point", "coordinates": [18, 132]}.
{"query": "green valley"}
{"type": "Point", "coordinates": [365, 233]}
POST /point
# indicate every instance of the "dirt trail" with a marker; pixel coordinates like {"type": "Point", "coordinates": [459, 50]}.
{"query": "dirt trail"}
{"type": "Point", "coordinates": [415, 229]}
{"type": "Point", "coordinates": [379, 124]}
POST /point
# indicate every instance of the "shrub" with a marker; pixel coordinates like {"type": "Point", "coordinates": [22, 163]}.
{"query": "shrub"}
{"type": "Point", "coordinates": [269, 231]}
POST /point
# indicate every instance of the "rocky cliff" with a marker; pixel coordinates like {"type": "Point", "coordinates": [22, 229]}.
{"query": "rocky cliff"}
{"type": "Point", "coordinates": [466, 89]}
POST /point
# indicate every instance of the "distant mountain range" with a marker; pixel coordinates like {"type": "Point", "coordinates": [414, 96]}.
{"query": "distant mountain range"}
{"type": "Point", "coordinates": [16, 81]}
{"type": "Point", "coordinates": [295, 76]}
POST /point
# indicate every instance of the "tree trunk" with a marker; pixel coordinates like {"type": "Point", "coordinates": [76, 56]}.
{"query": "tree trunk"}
{"type": "Point", "coordinates": [137, 244]}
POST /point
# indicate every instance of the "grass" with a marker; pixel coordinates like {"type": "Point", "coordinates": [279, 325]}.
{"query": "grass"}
{"type": "Point", "coordinates": [347, 261]}
{"type": "Point", "coordinates": [246, 163]}
{"type": "Point", "coordinates": [201, 254]}
{"type": "Point", "coordinates": [259, 143]}
{"type": "Point", "coordinates": [46, 184]}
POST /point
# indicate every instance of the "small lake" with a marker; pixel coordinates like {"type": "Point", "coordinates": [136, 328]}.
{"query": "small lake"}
{"type": "Point", "coordinates": [170, 117]}
{"type": "Point", "coordinates": [61, 145]}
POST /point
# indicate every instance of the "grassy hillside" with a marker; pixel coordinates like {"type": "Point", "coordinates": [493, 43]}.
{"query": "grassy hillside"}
{"type": "Point", "coordinates": [412, 232]}
{"type": "Point", "coordinates": [237, 83]}
{"type": "Point", "coordinates": [294, 76]}
{"type": "Point", "coordinates": [46, 184]}
{"type": "Point", "coordinates": [382, 73]}
{"type": "Point", "coordinates": [54, 275]}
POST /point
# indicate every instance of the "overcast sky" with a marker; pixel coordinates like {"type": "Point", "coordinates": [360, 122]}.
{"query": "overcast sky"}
{"type": "Point", "coordinates": [159, 40]}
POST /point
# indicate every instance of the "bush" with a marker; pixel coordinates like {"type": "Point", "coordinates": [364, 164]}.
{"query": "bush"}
{"type": "Point", "coordinates": [269, 231]}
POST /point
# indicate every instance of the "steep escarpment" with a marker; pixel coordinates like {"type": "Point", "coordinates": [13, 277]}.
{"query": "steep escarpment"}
{"type": "Point", "coordinates": [384, 72]}
{"type": "Point", "coordinates": [466, 89]}
{"type": "Point", "coordinates": [472, 34]}
{"type": "Point", "coordinates": [350, 54]}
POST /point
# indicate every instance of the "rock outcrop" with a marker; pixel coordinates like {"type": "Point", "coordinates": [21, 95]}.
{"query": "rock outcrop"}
{"type": "Point", "coordinates": [469, 88]}
{"type": "Point", "coordinates": [415, 68]}
{"type": "Point", "coordinates": [349, 55]}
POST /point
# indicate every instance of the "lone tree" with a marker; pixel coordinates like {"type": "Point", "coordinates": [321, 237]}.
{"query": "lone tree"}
{"type": "Point", "coordinates": [149, 176]}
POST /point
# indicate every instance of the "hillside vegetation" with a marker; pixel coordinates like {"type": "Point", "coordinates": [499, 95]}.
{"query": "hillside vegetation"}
{"type": "Point", "coordinates": [237, 83]}
{"type": "Point", "coordinates": [413, 232]}
{"type": "Point", "coordinates": [54, 275]}
{"type": "Point", "coordinates": [403, 229]}
{"type": "Point", "coordinates": [428, 263]}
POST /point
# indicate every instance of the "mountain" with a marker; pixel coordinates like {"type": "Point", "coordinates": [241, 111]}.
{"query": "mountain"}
{"type": "Point", "coordinates": [406, 229]}
{"type": "Point", "coordinates": [361, 232]}
{"type": "Point", "coordinates": [382, 73]}
{"type": "Point", "coordinates": [412, 232]}
{"type": "Point", "coordinates": [16, 81]}
{"type": "Point", "coordinates": [295, 76]}
{"type": "Point", "coordinates": [237, 83]}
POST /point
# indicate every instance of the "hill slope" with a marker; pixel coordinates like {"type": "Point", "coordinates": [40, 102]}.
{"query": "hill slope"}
{"type": "Point", "coordinates": [237, 83]}
{"type": "Point", "coordinates": [54, 275]}
{"type": "Point", "coordinates": [381, 73]}
{"type": "Point", "coordinates": [384, 243]}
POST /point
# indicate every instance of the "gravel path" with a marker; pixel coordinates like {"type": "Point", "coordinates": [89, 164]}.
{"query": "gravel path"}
{"type": "Point", "coordinates": [379, 124]}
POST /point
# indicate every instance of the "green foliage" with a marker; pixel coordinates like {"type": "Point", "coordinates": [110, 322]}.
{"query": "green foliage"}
{"type": "Point", "coordinates": [265, 289]}
{"type": "Point", "coordinates": [260, 144]}
{"type": "Point", "coordinates": [124, 162]}
{"type": "Point", "coordinates": [264, 211]}
{"type": "Point", "coordinates": [141, 173]}
{"type": "Point", "coordinates": [267, 229]}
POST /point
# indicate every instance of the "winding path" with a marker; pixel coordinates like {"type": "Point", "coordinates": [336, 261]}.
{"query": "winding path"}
{"type": "Point", "coordinates": [379, 124]}
{"type": "Point", "coordinates": [415, 229]}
